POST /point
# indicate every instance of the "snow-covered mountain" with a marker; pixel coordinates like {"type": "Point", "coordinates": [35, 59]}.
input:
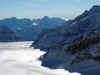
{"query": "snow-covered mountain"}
{"type": "Point", "coordinates": [29, 29]}
{"type": "Point", "coordinates": [7, 35]}
{"type": "Point", "coordinates": [74, 46]}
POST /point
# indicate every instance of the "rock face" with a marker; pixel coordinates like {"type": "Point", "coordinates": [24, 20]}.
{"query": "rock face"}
{"type": "Point", "coordinates": [51, 37]}
{"type": "Point", "coordinates": [74, 46]}
{"type": "Point", "coordinates": [6, 35]}
{"type": "Point", "coordinates": [29, 29]}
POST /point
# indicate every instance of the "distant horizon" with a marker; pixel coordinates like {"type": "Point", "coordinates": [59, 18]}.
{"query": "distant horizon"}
{"type": "Point", "coordinates": [39, 8]}
{"type": "Point", "coordinates": [65, 18]}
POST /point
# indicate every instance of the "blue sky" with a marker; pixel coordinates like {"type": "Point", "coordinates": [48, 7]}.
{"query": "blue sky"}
{"type": "Point", "coordinates": [39, 8]}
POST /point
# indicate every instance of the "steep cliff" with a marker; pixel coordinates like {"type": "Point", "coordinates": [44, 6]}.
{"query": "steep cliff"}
{"type": "Point", "coordinates": [75, 46]}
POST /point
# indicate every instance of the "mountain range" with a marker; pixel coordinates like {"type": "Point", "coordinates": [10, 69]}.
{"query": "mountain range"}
{"type": "Point", "coordinates": [29, 29]}
{"type": "Point", "coordinates": [74, 46]}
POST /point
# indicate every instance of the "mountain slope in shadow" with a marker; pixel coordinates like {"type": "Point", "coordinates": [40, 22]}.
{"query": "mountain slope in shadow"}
{"type": "Point", "coordinates": [74, 46]}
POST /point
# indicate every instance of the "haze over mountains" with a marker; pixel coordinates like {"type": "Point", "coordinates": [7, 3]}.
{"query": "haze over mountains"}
{"type": "Point", "coordinates": [28, 29]}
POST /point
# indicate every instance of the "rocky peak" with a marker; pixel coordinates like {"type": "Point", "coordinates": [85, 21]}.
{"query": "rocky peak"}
{"type": "Point", "coordinates": [95, 9]}
{"type": "Point", "coordinates": [45, 17]}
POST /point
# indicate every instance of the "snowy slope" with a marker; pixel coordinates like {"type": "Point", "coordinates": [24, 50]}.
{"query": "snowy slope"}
{"type": "Point", "coordinates": [17, 58]}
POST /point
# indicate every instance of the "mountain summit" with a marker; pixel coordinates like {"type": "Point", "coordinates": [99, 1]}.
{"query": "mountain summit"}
{"type": "Point", "coordinates": [95, 9]}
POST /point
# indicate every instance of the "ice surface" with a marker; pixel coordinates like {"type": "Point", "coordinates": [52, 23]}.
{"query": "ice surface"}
{"type": "Point", "coordinates": [17, 59]}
